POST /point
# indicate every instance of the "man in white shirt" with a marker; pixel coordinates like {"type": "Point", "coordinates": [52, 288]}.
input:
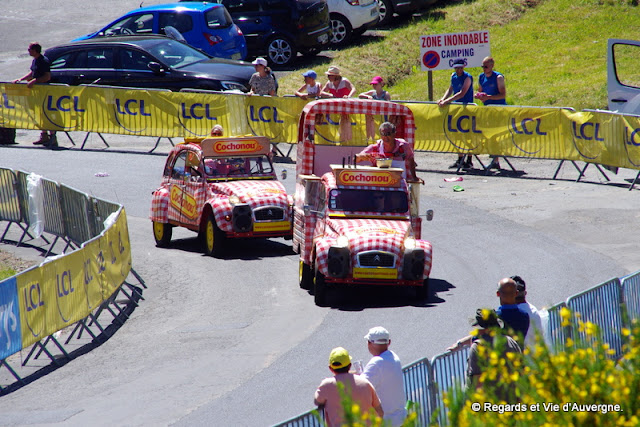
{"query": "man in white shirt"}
{"type": "Point", "coordinates": [535, 321]}
{"type": "Point", "coordinates": [384, 371]}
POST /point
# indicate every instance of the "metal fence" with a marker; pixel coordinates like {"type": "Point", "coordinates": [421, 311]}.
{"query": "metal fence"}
{"type": "Point", "coordinates": [611, 306]}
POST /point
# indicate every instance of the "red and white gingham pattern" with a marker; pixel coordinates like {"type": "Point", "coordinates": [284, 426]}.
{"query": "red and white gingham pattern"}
{"type": "Point", "coordinates": [364, 235]}
{"type": "Point", "coordinates": [405, 128]}
{"type": "Point", "coordinates": [160, 206]}
{"type": "Point", "coordinates": [255, 193]}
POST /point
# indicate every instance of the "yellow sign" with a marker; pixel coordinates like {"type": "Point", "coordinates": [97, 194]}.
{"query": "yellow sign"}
{"type": "Point", "coordinates": [368, 177]}
{"type": "Point", "coordinates": [184, 202]}
{"type": "Point", "coordinates": [375, 273]}
{"type": "Point", "coordinates": [271, 226]}
{"type": "Point", "coordinates": [221, 147]}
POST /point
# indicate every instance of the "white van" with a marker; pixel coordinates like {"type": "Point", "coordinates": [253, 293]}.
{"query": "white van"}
{"type": "Point", "coordinates": [623, 76]}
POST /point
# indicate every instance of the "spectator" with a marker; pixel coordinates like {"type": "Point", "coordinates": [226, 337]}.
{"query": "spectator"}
{"type": "Point", "coordinates": [311, 88]}
{"type": "Point", "coordinates": [378, 94]}
{"type": "Point", "coordinates": [491, 337]}
{"type": "Point", "coordinates": [384, 371]}
{"type": "Point", "coordinates": [357, 387]}
{"type": "Point", "coordinates": [391, 147]}
{"type": "Point", "coordinates": [262, 82]}
{"type": "Point", "coordinates": [337, 86]}
{"type": "Point", "coordinates": [40, 72]}
{"type": "Point", "coordinates": [491, 91]}
{"type": "Point", "coordinates": [512, 316]}
{"type": "Point", "coordinates": [460, 90]}
{"type": "Point", "coordinates": [217, 131]}
{"type": "Point", "coordinates": [535, 321]}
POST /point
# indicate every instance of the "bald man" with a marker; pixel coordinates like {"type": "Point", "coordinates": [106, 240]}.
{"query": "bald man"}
{"type": "Point", "coordinates": [514, 317]}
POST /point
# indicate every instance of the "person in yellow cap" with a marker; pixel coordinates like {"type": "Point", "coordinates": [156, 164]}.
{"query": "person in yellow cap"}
{"type": "Point", "coordinates": [358, 388]}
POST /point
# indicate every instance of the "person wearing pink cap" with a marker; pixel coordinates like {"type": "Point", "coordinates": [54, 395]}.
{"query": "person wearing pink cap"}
{"type": "Point", "coordinates": [376, 93]}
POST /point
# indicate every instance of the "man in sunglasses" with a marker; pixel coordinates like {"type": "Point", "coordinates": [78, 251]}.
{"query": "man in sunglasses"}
{"type": "Point", "coordinates": [390, 147]}
{"type": "Point", "coordinates": [491, 91]}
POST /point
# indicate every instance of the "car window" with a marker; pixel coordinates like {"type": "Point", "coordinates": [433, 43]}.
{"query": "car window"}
{"type": "Point", "coordinates": [64, 61]}
{"type": "Point", "coordinates": [131, 59]}
{"type": "Point", "coordinates": [237, 6]}
{"type": "Point", "coordinates": [177, 172]}
{"type": "Point", "coordinates": [95, 58]}
{"type": "Point", "coordinates": [276, 4]}
{"type": "Point", "coordinates": [180, 21]}
{"type": "Point", "coordinates": [218, 17]}
{"type": "Point", "coordinates": [137, 24]}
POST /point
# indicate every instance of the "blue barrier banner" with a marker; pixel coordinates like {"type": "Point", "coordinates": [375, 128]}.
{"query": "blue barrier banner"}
{"type": "Point", "coordinates": [10, 331]}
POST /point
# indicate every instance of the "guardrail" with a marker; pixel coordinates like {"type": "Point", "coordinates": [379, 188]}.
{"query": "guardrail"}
{"type": "Point", "coordinates": [426, 382]}
{"type": "Point", "coordinates": [72, 289]}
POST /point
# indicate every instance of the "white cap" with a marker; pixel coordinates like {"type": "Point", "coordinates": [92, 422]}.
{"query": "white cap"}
{"type": "Point", "coordinates": [260, 61]}
{"type": "Point", "coordinates": [378, 335]}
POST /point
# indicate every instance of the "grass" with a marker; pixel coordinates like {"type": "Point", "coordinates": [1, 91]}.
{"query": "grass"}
{"type": "Point", "coordinates": [552, 52]}
{"type": "Point", "coordinates": [6, 272]}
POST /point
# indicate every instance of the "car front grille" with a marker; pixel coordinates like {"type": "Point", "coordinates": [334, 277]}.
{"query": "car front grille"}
{"type": "Point", "coordinates": [269, 214]}
{"type": "Point", "coordinates": [376, 259]}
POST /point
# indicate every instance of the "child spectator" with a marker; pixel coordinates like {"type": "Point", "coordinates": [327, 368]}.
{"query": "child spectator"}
{"type": "Point", "coordinates": [311, 88]}
{"type": "Point", "coordinates": [376, 93]}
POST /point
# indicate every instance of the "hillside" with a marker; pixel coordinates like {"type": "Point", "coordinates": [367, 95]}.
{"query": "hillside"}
{"type": "Point", "coordinates": [552, 52]}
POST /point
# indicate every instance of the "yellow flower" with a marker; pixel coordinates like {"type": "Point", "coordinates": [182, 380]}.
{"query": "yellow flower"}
{"type": "Point", "coordinates": [565, 313]}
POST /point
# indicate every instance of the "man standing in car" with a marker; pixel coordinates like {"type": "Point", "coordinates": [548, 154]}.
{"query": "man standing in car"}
{"type": "Point", "coordinates": [40, 72]}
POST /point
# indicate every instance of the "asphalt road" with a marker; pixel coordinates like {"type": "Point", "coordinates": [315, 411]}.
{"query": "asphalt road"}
{"type": "Point", "coordinates": [235, 341]}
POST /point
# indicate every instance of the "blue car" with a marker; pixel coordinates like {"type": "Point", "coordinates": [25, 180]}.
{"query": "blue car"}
{"type": "Point", "coordinates": [205, 26]}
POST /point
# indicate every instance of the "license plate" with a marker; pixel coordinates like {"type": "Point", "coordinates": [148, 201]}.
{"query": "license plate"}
{"type": "Point", "coordinates": [272, 226]}
{"type": "Point", "coordinates": [324, 38]}
{"type": "Point", "coordinates": [375, 273]}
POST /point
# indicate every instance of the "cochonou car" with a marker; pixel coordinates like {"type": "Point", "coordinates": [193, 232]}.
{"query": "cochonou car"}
{"type": "Point", "coordinates": [279, 29]}
{"type": "Point", "coordinates": [351, 18]}
{"type": "Point", "coordinates": [205, 26]}
{"type": "Point", "coordinates": [145, 62]}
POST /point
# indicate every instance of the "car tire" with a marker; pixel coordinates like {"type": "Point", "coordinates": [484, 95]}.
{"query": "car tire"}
{"type": "Point", "coordinates": [320, 290]}
{"type": "Point", "coordinates": [386, 12]}
{"type": "Point", "coordinates": [280, 51]}
{"type": "Point", "coordinates": [422, 292]}
{"type": "Point", "coordinates": [341, 30]}
{"type": "Point", "coordinates": [304, 275]}
{"type": "Point", "coordinates": [213, 237]}
{"type": "Point", "coordinates": [162, 234]}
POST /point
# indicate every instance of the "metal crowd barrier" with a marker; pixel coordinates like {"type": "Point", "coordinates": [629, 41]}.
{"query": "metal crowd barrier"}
{"type": "Point", "coordinates": [65, 213]}
{"type": "Point", "coordinates": [604, 305]}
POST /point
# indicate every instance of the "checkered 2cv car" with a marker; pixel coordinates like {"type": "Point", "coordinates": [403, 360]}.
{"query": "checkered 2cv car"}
{"type": "Point", "coordinates": [221, 188]}
{"type": "Point", "coordinates": [355, 225]}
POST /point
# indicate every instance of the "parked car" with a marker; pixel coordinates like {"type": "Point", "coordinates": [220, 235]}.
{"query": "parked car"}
{"type": "Point", "coordinates": [351, 18]}
{"type": "Point", "coordinates": [152, 61]}
{"type": "Point", "coordinates": [279, 29]}
{"type": "Point", "coordinates": [401, 7]}
{"type": "Point", "coordinates": [206, 26]}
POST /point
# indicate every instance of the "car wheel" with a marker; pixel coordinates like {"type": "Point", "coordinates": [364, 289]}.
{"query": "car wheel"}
{"type": "Point", "coordinates": [213, 237]}
{"type": "Point", "coordinates": [341, 30]}
{"type": "Point", "coordinates": [422, 292]}
{"type": "Point", "coordinates": [320, 293]}
{"type": "Point", "coordinates": [281, 51]}
{"type": "Point", "coordinates": [162, 234]}
{"type": "Point", "coordinates": [386, 12]}
{"type": "Point", "coordinates": [304, 275]}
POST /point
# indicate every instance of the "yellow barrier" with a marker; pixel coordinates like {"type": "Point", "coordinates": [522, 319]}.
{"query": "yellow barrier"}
{"type": "Point", "coordinates": [549, 133]}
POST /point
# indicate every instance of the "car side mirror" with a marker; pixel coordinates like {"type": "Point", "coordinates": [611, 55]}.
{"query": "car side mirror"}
{"type": "Point", "coordinates": [155, 67]}
{"type": "Point", "coordinates": [429, 214]}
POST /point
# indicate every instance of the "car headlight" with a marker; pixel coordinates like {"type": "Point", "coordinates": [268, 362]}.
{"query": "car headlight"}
{"type": "Point", "coordinates": [234, 200]}
{"type": "Point", "coordinates": [409, 243]}
{"type": "Point", "coordinates": [342, 241]}
{"type": "Point", "coordinates": [231, 85]}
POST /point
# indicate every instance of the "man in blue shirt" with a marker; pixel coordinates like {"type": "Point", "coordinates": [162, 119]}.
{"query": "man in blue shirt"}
{"type": "Point", "coordinates": [512, 316]}
{"type": "Point", "coordinates": [460, 90]}
{"type": "Point", "coordinates": [491, 91]}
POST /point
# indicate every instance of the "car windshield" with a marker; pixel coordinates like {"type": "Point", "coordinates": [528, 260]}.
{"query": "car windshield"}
{"type": "Point", "coordinates": [235, 167]}
{"type": "Point", "coordinates": [176, 54]}
{"type": "Point", "coordinates": [358, 200]}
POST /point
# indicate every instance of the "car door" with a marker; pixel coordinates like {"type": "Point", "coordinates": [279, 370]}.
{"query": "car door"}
{"type": "Point", "coordinates": [135, 72]}
{"type": "Point", "coordinates": [254, 23]}
{"type": "Point", "coordinates": [623, 76]}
